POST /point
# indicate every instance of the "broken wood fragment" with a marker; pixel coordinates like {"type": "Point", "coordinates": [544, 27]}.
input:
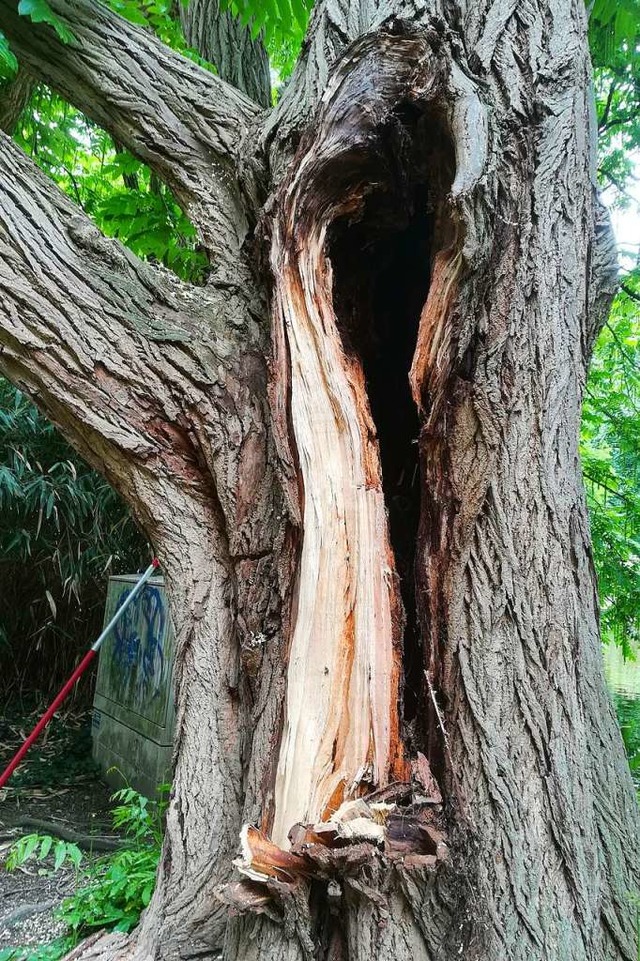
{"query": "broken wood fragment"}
{"type": "Point", "coordinates": [421, 774]}
{"type": "Point", "coordinates": [262, 859]}
{"type": "Point", "coordinates": [361, 830]}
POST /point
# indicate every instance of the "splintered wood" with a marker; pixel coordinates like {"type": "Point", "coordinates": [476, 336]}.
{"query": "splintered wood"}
{"type": "Point", "coordinates": [341, 722]}
{"type": "Point", "coordinates": [341, 736]}
{"type": "Point", "coordinates": [402, 823]}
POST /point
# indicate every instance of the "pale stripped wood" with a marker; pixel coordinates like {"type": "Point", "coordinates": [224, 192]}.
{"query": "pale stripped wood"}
{"type": "Point", "coordinates": [341, 726]}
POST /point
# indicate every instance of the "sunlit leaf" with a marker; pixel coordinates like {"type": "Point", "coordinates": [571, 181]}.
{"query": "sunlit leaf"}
{"type": "Point", "coordinates": [8, 62]}
{"type": "Point", "coordinates": [39, 11]}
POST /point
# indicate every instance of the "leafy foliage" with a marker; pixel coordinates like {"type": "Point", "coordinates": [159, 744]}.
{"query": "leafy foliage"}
{"type": "Point", "coordinates": [40, 846]}
{"type": "Point", "coordinates": [61, 529]}
{"type": "Point", "coordinates": [118, 887]}
{"type": "Point", "coordinates": [38, 11]}
{"type": "Point", "coordinates": [614, 36]}
{"type": "Point", "coordinates": [610, 455]}
{"type": "Point", "coordinates": [611, 424]}
{"type": "Point", "coordinates": [8, 62]}
{"type": "Point", "coordinates": [111, 891]}
{"type": "Point", "coordinates": [282, 24]}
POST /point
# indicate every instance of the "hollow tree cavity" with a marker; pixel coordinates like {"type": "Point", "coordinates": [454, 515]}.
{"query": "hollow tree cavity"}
{"type": "Point", "coordinates": [358, 229]}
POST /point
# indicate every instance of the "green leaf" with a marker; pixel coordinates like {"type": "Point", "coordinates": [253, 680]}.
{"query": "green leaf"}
{"type": "Point", "coordinates": [45, 847]}
{"type": "Point", "coordinates": [39, 11]}
{"type": "Point", "coordinates": [8, 62]}
{"type": "Point", "coordinates": [31, 843]}
{"type": "Point", "coordinates": [301, 13]}
{"type": "Point", "coordinates": [59, 855]}
{"type": "Point", "coordinates": [74, 854]}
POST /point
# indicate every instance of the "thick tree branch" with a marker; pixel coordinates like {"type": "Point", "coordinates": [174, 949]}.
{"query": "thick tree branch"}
{"type": "Point", "coordinates": [83, 322]}
{"type": "Point", "coordinates": [220, 38]}
{"type": "Point", "coordinates": [140, 371]}
{"type": "Point", "coordinates": [13, 99]}
{"type": "Point", "coordinates": [184, 122]}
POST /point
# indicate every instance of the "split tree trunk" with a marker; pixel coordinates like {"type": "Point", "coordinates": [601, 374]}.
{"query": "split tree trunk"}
{"type": "Point", "coordinates": [355, 451]}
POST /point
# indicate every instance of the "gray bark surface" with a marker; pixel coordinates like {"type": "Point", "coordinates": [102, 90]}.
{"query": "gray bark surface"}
{"type": "Point", "coordinates": [221, 38]}
{"type": "Point", "coordinates": [14, 96]}
{"type": "Point", "coordinates": [178, 396]}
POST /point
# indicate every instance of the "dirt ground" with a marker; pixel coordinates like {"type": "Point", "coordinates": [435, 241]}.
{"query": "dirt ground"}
{"type": "Point", "coordinates": [57, 789]}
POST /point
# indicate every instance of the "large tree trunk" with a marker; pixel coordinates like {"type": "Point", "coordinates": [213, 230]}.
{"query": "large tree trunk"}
{"type": "Point", "coordinates": [356, 453]}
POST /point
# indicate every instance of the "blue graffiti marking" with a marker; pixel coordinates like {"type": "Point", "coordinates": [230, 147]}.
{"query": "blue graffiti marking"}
{"type": "Point", "coordinates": [127, 646]}
{"type": "Point", "coordinates": [137, 657]}
{"type": "Point", "coordinates": [152, 656]}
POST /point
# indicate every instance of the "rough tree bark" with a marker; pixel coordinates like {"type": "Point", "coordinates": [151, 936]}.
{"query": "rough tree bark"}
{"type": "Point", "coordinates": [220, 38]}
{"type": "Point", "coordinates": [14, 96]}
{"type": "Point", "coordinates": [355, 450]}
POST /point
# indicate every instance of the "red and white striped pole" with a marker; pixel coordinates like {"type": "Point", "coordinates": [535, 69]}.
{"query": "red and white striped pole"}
{"type": "Point", "coordinates": [79, 671]}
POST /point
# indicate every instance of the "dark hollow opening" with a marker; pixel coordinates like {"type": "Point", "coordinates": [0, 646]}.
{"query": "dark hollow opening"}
{"type": "Point", "coordinates": [381, 271]}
